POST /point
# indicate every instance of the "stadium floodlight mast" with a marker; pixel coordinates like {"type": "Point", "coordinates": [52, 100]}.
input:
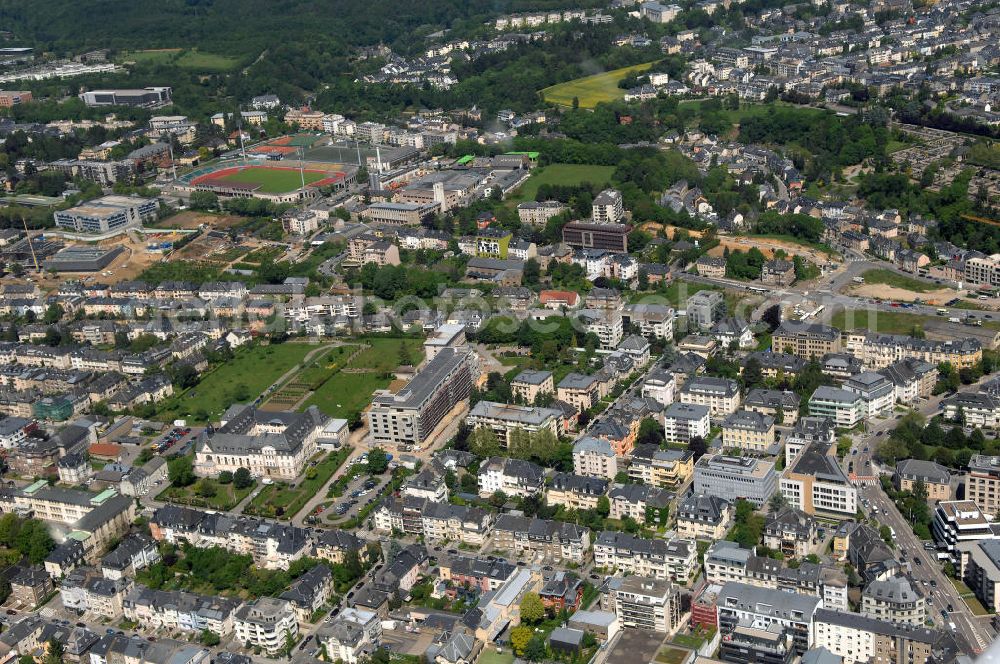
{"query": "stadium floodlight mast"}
{"type": "Point", "coordinates": [302, 174]}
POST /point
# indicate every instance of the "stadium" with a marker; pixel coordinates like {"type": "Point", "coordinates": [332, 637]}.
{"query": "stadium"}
{"type": "Point", "coordinates": [267, 181]}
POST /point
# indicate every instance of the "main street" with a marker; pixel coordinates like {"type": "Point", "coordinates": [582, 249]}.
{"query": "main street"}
{"type": "Point", "coordinates": [928, 572]}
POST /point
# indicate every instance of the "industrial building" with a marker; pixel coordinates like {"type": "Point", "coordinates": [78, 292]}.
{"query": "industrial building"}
{"type": "Point", "coordinates": [82, 259]}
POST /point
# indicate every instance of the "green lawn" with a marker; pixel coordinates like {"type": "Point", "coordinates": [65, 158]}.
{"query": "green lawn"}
{"type": "Point", "coordinates": [896, 280]}
{"type": "Point", "coordinates": [491, 656]}
{"type": "Point", "coordinates": [669, 655]}
{"type": "Point", "coordinates": [184, 58]}
{"type": "Point", "coordinates": [564, 174]}
{"type": "Point", "coordinates": [285, 500]}
{"type": "Point", "coordinates": [346, 393]}
{"type": "Point", "coordinates": [384, 354]}
{"type": "Point", "coordinates": [273, 180]}
{"type": "Point", "coordinates": [676, 293]}
{"type": "Point", "coordinates": [592, 90]}
{"type": "Point", "coordinates": [226, 497]}
{"type": "Point", "coordinates": [243, 378]}
{"type": "Point", "coordinates": [888, 322]}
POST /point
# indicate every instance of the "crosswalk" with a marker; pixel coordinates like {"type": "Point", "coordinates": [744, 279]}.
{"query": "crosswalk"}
{"type": "Point", "coordinates": [865, 480]}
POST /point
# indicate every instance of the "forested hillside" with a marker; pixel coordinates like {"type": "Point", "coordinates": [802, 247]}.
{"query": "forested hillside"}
{"type": "Point", "coordinates": [241, 27]}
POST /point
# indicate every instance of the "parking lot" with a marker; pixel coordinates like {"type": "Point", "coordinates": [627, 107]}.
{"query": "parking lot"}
{"type": "Point", "coordinates": [360, 491]}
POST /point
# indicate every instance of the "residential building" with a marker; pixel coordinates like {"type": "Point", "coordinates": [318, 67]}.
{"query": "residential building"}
{"type": "Point", "coordinates": [768, 609]}
{"type": "Point", "coordinates": [541, 539]}
{"type": "Point", "coordinates": [877, 351]}
{"type": "Point", "coordinates": [777, 272]}
{"type": "Point", "coordinates": [732, 478]}
{"type": "Point", "coordinates": [530, 384]}
{"type": "Point", "coordinates": [29, 586]}
{"type": "Point", "coordinates": [578, 390]}
{"type": "Point", "coordinates": [134, 553]}
{"type": "Point", "coordinates": [704, 308]}
{"type": "Point", "coordinates": [268, 624]}
{"type": "Point", "coordinates": [310, 592]}
{"type": "Point", "coordinates": [781, 405]}
{"type": "Point", "coordinates": [810, 429]}
{"type": "Point", "coordinates": [675, 559]}
{"type": "Point", "coordinates": [975, 409]}
{"type": "Point", "coordinates": [508, 420]}
{"type": "Point", "coordinates": [275, 444]}
{"type": "Point", "coordinates": [845, 408]}
{"type": "Point", "coordinates": [180, 610]}
{"type": "Point", "coordinates": [980, 569]}
{"type": "Point", "coordinates": [877, 392]}
{"type": "Point", "coordinates": [644, 504]}
{"type": "Point", "coordinates": [912, 379]}
{"type": "Point", "coordinates": [790, 531]}
{"type": "Point", "coordinates": [897, 599]}
{"type": "Point", "coordinates": [807, 340]}
{"type": "Point", "coordinates": [858, 639]}
{"type": "Point", "coordinates": [594, 457]}
{"type": "Point", "coordinates": [512, 477]}
{"type": "Point", "coordinates": [645, 603]}
{"type": "Point", "coordinates": [935, 477]}
{"type": "Point", "coordinates": [577, 492]}
{"type": "Point", "coordinates": [816, 484]}
{"type": "Point", "coordinates": [721, 395]}
{"type": "Point", "coordinates": [412, 414]}
{"type": "Point", "coordinates": [608, 207]}
{"type": "Point", "coordinates": [684, 421]}
{"type": "Point", "coordinates": [748, 430]}
{"type": "Point", "coordinates": [661, 386]}
{"type": "Point", "coordinates": [667, 468]}
{"type": "Point", "coordinates": [704, 517]}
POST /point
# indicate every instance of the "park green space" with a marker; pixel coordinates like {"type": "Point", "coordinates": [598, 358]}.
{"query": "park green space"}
{"type": "Point", "coordinates": [736, 115]}
{"type": "Point", "coordinates": [592, 90]}
{"type": "Point", "coordinates": [348, 392]}
{"type": "Point", "coordinates": [226, 497]}
{"type": "Point", "coordinates": [562, 174]}
{"type": "Point", "coordinates": [243, 378]}
{"type": "Point", "coordinates": [284, 500]}
{"type": "Point", "coordinates": [896, 280]}
{"type": "Point", "coordinates": [272, 180]}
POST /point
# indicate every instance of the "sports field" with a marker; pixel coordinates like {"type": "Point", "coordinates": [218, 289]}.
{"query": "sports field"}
{"type": "Point", "coordinates": [269, 179]}
{"type": "Point", "coordinates": [592, 90]}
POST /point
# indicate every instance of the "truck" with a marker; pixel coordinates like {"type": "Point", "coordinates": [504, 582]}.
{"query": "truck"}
{"type": "Point", "coordinates": [954, 319]}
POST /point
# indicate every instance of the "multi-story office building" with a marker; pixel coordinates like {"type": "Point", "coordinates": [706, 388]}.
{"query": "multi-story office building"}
{"type": "Point", "coordinates": [721, 395]}
{"type": "Point", "coordinates": [410, 415]}
{"type": "Point", "coordinates": [845, 408]}
{"type": "Point", "coordinates": [748, 430]}
{"type": "Point", "coordinates": [585, 235]}
{"type": "Point", "coordinates": [506, 419]}
{"type": "Point", "coordinates": [806, 340]}
{"type": "Point", "coordinates": [704, 309]}
{"type": "Point", "coordinates": [816, 484]}
{"type": "Point", "coordinates": [958, 521]}
{"type": "Point", "coordinates": [771, 610]}
{"type": "Point", "coordinates": [398, 214]}
{"type": "Point", "coordinates": [732, 478]}
{"type": "Point", "coordinates": [811, 429]}
{"type": "Point", "coordinates": [151, 97]}
{"type": "Point", "coordinates": [684, 421]}
{"type": "Point", "coordinates": [644, 603]}
{"type": "Point", "coordinates": [982, 482]}
{"type": "Point", "coordinates": [268, 444]}
{"type": "Point", "coordinates": [107, 214]}
{"type": "Point", "coordinates": [10, 98]}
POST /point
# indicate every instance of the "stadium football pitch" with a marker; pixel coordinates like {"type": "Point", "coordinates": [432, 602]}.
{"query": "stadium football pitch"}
{"type": "Point", "coordinates": [272, 180]}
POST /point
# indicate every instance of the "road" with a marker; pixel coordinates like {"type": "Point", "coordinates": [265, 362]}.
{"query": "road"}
{"type": "Point", "coordinates": [976, 632]}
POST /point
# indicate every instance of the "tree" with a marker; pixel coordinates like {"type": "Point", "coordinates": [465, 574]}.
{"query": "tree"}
{"type": "Point", "coordinates": [603, 506]}
{"type": "Point", "coordinates": [53, 652]}
{"type": "Point", "coordinates": [242, 479]}
{"type": "Point", "coordinates": [532, 609]}
{"type": "Point", "coordinates": [53, 314]}
{"type": "Point", "coordinates": [777, 502]}
{"type": "Point", "coordinates": [698, 446]}
{"type": "Point", "coordinates": [180, 470]}
{"type": "Point", "coordinates": [203, 200]}
{"type": "Point", "coordinates": [650, 432]}
{"type": "Point", "coordinates": [206, 488]}
{"type": "Point", "coordinates": [378, 461]}
{"type": "Point", "coordinates": [519, 638]}
{"type": "Point", "coordinates": [226, 477]}
{"type": "Point", "coordinates": [209, 638]}
{"type": "Point", "coordinates": [483, 443]}
{"type": "Point", "coordinates": [535, 651]}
